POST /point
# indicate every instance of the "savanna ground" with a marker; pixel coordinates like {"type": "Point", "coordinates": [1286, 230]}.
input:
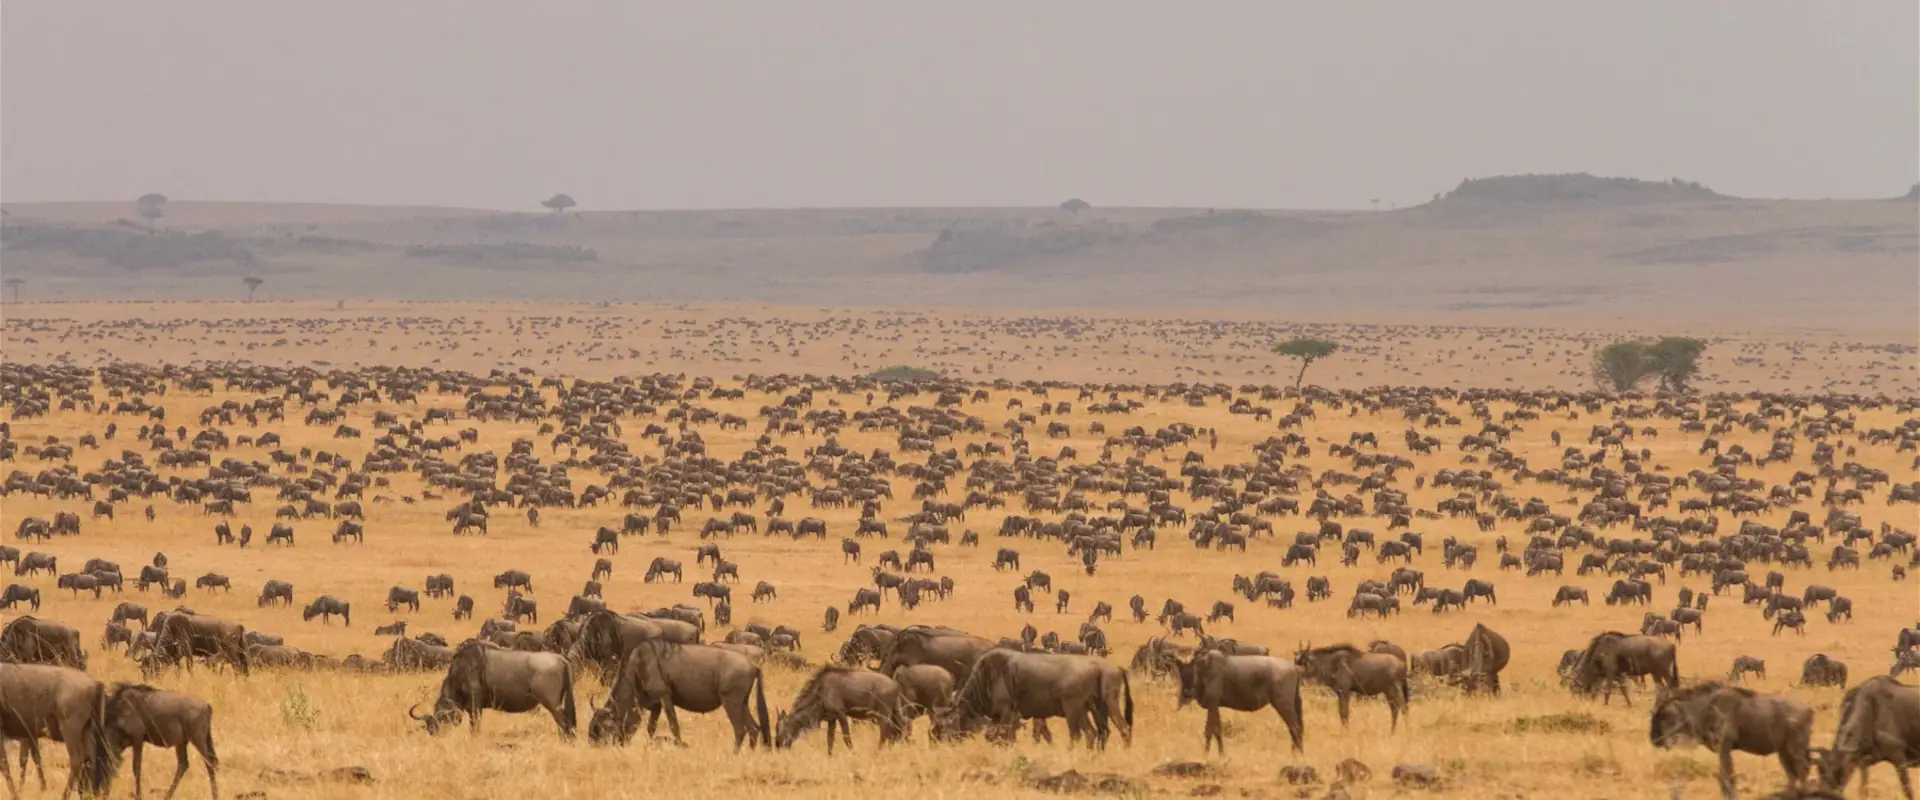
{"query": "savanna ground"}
{"type": "Point", "coordinates": [1536, 740]}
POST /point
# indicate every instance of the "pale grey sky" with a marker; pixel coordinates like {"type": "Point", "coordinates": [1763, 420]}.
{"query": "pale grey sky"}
{"type": "Point", "coordinates": [629, 104]}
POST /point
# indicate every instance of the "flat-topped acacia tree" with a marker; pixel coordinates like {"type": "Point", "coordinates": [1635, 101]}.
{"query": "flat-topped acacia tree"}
{"type": "Point", "coordinates": [1308, 351]}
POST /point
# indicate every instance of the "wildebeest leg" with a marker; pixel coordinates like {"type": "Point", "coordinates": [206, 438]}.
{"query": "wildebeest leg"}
{"type": "Point", "coordinates": [12, 791]}
{"type": "Point", "coordinates": [846, 732]}
{"type": "Point", "coordinates": [1041, 733]}
{"type": "Point", "coordinates": [1346, 706]}
{"type": "Point", "coordinates": [673, 725]}
{"type": "Point", "coordinates": [178, 773]}
{"type": "Point", "coordinates": [205, 745]}
{"type": "Point", "coordinates": [1906, 780]}
{"type": "Point", "coordinates": [653, 721]}
{"type": "Point", "coordinates": [1212, 733]}
{"type": "Point", "coordinates": [1726, 771]}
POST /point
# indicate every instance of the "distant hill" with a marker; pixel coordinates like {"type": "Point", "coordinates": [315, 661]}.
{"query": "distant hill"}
{"type": "Point", "coordinates": [1621, 248]}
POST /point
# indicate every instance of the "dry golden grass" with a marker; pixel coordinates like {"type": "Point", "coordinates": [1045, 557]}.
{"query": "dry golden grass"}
{"type": "Point", "coordinates": [1516, 745]}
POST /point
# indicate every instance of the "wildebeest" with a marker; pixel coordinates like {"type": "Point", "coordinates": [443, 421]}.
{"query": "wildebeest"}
{"type": "Point", "coordinates": [662, 567]}
{"type": "Point", "coordinates": [837, 696]}
{"type": "Point", "coordinates": [1744, 665]}
{"type": "Point", "coordinates": [521, 607]}
{"type": "Point", "coordinates": [66, 705]}
{"type": "Point", "coordinates": [513, 579]}
{"type": "Point", "coordinates": [325, 607]}
{"type": "Point", "coordinates": [923, 688]}
{"type": "Point", "coordinates": [660, 676]}
{"type": "Point", "coordinates": [36, 562]}
{"type": "Point", "coordinates": [951, 650]}
{"type": "Point", "coordinates": [1611, 657]}
{"type": "Point", "coordinates": [1726, 719]}
{"type": "Point", "coordinates": [19, 593]}
{"type": "Point", "coordinates": [275, 591]}
{"type": "Point", "coordinates": [463, 607]}
{"type": "Point", "coordinates": [1348, 671]}
{"type": "Point", "coordinates": [396, 628]}
{"type": "Point", "coordinates": [30, 640]}
{"type": "Point", "coordinates": [1487, 655]}
{"type": "Point", "coordinates": [184, 636]}
{"type": "Point", "coordinates": [485, 677]}
{"type": "Point", "coordinates": [1569, 594]}
{"type": "Point", "coordinates": [1879, 721]}
{"type": "Point", "coordinates": [138, 715]}
{"type": "Point", "coordinates": [1006, 686]}
{"type": "Point", "coordinates": [1821, 669]}
{"type": "Point", "coordinates": [1216, 680]}
{"type": "Point", "coordinates": [398, 596]}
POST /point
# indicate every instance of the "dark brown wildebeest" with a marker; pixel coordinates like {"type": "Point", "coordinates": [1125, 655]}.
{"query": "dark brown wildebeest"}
{"type": "Point", "coordinates": [1879, 721]}
{"type": "Point", "coordinates": [485, 677]}
{"type": "Point", "coordinates": [1139, 606]}
{"type": "Point", "coordinates": [416, 655]}
{"type": "Point", "coordinates": [661, 676]}
{"type": "Point", "coordinates": [1487, 654]}
{"type": "Point", "coordinates": [1023, 599]}
{"type": "Point", "coordinates": [712, 591]}
{"type": "Point", "coordinates": [185, 636]}
{"type": "Point", "coordinates": [1006, 686]}
{"type": "Point", "coordinates": [662, 567]}
{"type": "Point", "coordinates": [1790, 619]}
{"type": "Point", "coordinates": [1348, 671]}
{"type": "Point", "coordinates": [63, 704]}
{"type": "Point", "coordinates": [605, 637]}
{"type": "Point", "coordinates": [138, 715]}
{"type": "Point", "coordinates": [832, 621]}
{"type": "Point", "coordinates": [837, 696]}
{"type": "Point", "coordinates": [1568, 594]}
{"type": "Point", "coordinates": [1006, 558]}
{"type": "Point", "coordinates": [581, 606]}
{"type": "Point", "coordinates": [1479, 588]}
{"type": "Point", "coordinates": [1039, 580]}
{"type": "Point", "coordinates": [1612, 657]}
{"type": "Point", "coordinates": [439, 586]}
{"type": "Point", "coordinates": [463, 608]}
{"type": "Point", "coordinates": [29, 640]}
{"type": "Point", "coordinates": [281, 532]}
{"type": "Point", "coordinates": [127, 611]}
{"type": "Point", "coordinates": [948, 649]}
{"type": "Point", "coordinates": [1446, 662]}
{"type": "Point", "coordinates": [398, 596]}
{"type": "Point", "coordinates": [396, 628]}
{"type": "Point", "coordinates": [602, 570]}
{"type": "Point", "coordinates": [19, 593]}
{"type": "Point", "coordinates": [606, 538]}
{"type": "Point", "coordinates": [36, 562]}
{"type": "Point", "coordinates": [325, 607]}
{"type": "Point", "coordinates": [1821, 669]}
{"type": "Point", "coordinates": [275, 591]}
{"type": "Point", "coordinates": [764, 591]}
{"type": "Point", "coordinates": [1744, 665]}
{"type": "Point", "coordinates": [521, 607]}
{"type": "Point", "coordinates": [1216, 680]}
{"type": "Point", "coordinates": [513, 579]}
{"type": "Point", "coordinates": [79, 583]}
{"type": "Point", "coordinates": [1726, 719]}
{"type": "Point", "coordinates": [864, 598]}
{"type": "Point", "coordinates": [211, 581]}
{"type": "Point", "coordinates": [116, 634]}
{"type": "Point", "coordinates": [923, 688]}
{"type": "Point", "coordinates": [593, 589]}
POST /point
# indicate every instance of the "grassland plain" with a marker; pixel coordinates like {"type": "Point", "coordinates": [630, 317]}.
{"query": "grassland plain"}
{"type": "Point", "coordinates": [1536, 740]}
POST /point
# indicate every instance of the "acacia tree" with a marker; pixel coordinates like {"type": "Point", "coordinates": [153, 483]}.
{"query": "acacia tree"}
{"type": "Point", "coordinates": [1075, 205]}
{"type": "Point", "coordinates": [1676, 359]}
{"type": "Point", "coordinates": [13, 285]}
{"type": "Point", "coordinates": [152, 206]}
{"type": "Point", "coordinates": [252, 283]}
{"type": "Point", "coordinates": [559, 203]}
{"type": "Point", "coordinates": [1621, 366]}
{"type": "Point", "coordinates": [1308, 351]}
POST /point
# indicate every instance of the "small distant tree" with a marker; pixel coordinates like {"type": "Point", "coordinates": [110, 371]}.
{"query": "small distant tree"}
{"type": "Point", "coordinates": [253, 283]}
{"type": "Point", "coordinates": [13, 285]}
{"type": "Point", "coordinates": [1308, 351]}
{"type": "Point", "coordinates": [559, 203]}
{"type": "Point", "coordinates": [1621, 366]}
{"type": "Point", "coordinates": [1075, 205]}
{"type": "Point", "coordinates": [152, 207]}
{"type": "Point", "coordinates": [1676, 359]}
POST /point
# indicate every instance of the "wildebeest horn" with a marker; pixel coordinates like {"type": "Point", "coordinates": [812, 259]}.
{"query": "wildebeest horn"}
{"type": "Point", "coordinates": [414, 716]}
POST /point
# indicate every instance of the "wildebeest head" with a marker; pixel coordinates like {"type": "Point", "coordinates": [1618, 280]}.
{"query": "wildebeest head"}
{"type": "Point", "coordinates": [445, 715]}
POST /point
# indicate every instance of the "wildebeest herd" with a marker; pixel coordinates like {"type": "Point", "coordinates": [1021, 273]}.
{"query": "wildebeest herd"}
{"type": "Point", "coordinates": [1699, 520]}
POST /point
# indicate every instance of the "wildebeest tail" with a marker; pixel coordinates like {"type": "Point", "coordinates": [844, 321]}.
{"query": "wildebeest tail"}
{"type": "Point", "coordinates": [101, 760]}
{"type": "Point", "coordinates": [346, 612]}
{"type": "Point", "coordinates": [760, 708]}
{"type": "Point", "coordinates": [1126, 694]}
{"type": "Point", "coordinates": [1406, 691]}
{"type": "Point", "coordinates": [1673, 669]}
{"type": "Point", "coordinates": [568, 715]}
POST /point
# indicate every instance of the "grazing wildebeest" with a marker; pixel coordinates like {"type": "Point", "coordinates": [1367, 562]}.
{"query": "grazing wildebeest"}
{"type": "Point", "coordinates": [1568, 594]}
{"type": "Point", "coordinates": [1006, 686]}
{"type": "Point", "coordinates": [864, 598]}
{"type": "Point", "coordinates": [1039, 580]}
{"type": "Point", "coordinates": [282, 533]}
{"type": "Point", "coordinates": [1612, 657]}
{"type": "Point", "coordinates": [951, 650]}
{"type": "Point", "coordinates": [138, 715]}
{"type": "Point", "coordinates": [18, 593]}
{"type": "Point", "coordinates": [1879, 721]}
{"type": "Point", "coordinates": [832, 621]}
{"type": "Point", "coordinates": [1022, 599]}
{"type": "Point", "coordinates": [1744, 665]}
{"type": "Point", "coordinates": [1726, 719]}
{"type": "Point", "coordinates": [116, 634]}
{"type": "Point", "coordinates": [184, 636]}
{"type": "Point", "coordinates": [712, 591]}
{"type": "Point", "coordinates": [662, 567]}
{"type": "Point", "coordinates": [1006, 558]}
{"type": "Point", "coordinates": [513, 579]}
{"type": "Point", "coordinates": [29, 640]}
{"type": "Point", "coordinates": [521, 607]}
{"type": "Point", "coordinates": [32, 563]}
{"type": "Point", "coordinates": [398, 596]}
{"type": "Point", "coordinates": [605, 538]}
{"type": "Point", "coordinates": [1348, 671]}
{"type": "Point", "coordinates": [923, 688]}
{"type": "Point", "coordinates": [661, 676]}
{"type": "Point", "coordinates": [463, 607]}
{"type": "Point", "coordinates": [1790, 619]}
{"type": "Point", "coordinates": [602, 569]}
{"type": "Point", "coordinates": [849, 551]}
{"type": "Point", "coordinates": [63, 704]}
{"type": "Point", "coordinates": [484, 677]}
{"type": "Point", "coordinates": [837, 696]}
{"type": "Point", "coordinates": [1479, 588]}
{"type": "Point", "coordinates": [325, 607]}
{"type": "Point", "coordinates": [1217, 680]}
{"type": "Point", "coordinates": [150, 576]}
{"type": "Point", "coordinates": [396, 628]}
{"type": "Point", "coordinates": [1821, 669]}
{"type": "Point", "coordinates": [765, 591]}
{"type": "Point", "coordinates": [79, 583]}
{"type": "Point", "coordinates": [275, 591]}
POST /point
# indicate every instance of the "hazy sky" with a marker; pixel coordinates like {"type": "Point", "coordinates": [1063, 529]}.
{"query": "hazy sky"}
{"type": "Point", "coordinates": [630, 104]}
